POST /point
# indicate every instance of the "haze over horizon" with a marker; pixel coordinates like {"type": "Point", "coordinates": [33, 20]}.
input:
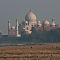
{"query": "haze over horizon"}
{"type": "Point", "coordinates": [19, 8]}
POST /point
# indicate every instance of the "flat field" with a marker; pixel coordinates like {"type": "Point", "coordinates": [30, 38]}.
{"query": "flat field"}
{"type": "Point", "coordinates": [34, 52]}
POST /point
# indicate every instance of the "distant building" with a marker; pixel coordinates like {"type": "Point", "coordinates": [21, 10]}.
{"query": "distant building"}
{"type": "Point", "coordinates": [13, 31]}
{"type": "Point", "coordinates": [30, 21]}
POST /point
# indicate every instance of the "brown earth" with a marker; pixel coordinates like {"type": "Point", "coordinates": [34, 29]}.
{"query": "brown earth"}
{"type": "Point", "coordinates": [35, 52]}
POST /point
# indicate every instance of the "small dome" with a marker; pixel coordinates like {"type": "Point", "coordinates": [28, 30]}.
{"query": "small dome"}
{"type": "Point", "coordinates": [38, 22]}
{"type": "Point", "coordinates": [46, 22]}
{"type": "Point", "coordinates": [53, 23]}
{"type": "Point", "coordinates": [30, 16]}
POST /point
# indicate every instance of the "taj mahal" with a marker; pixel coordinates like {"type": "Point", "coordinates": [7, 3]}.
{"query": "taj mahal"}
{"type": "Point", "coordinates": [31, 21]}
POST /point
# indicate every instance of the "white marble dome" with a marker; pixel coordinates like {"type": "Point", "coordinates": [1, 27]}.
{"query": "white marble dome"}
{"type": "Point", "coordinates": [30, 16]}
{"type": "Point", "coordinates": [46, 22]}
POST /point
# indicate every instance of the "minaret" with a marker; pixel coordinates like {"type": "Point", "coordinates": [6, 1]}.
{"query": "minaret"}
{"type": "Point", "coordinates": [17, 32]}
{"type": "Point", "coordinates": [9, 27]}
{"type": "Point", "coordinates": [26, 26]}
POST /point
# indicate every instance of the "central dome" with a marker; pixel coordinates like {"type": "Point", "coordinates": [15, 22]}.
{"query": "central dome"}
{"type": "Point", "coordinates": [30, 16]}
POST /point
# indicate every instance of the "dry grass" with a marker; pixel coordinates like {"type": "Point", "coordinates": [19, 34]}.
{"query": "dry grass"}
{"type": "Point", "coordinates": [35, 52]}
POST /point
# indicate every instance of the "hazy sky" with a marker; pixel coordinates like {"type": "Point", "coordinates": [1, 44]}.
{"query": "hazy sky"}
{"type": "Point", "coordinates": [19, 8]}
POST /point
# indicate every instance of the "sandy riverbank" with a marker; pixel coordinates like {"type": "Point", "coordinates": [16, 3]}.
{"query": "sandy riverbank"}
{"type": "Point", "coordinates": [41, 52]}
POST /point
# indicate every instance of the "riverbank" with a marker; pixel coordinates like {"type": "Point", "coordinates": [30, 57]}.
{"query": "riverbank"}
{"type": "Point", "coordinates": [42, 52]}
